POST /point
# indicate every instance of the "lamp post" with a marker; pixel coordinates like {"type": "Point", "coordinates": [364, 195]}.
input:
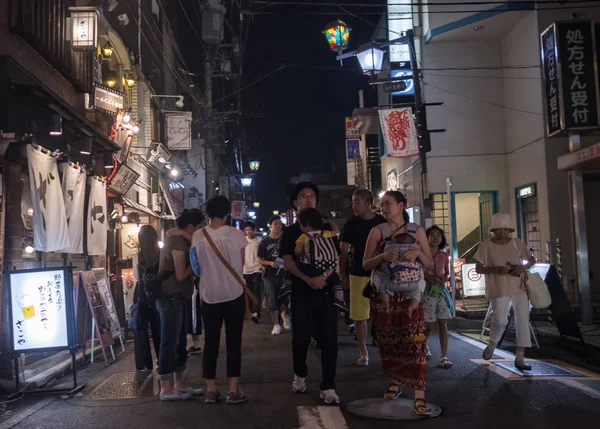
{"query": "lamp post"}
{"type": "Point", "coordinates": [254, 165]}
{"type": "Point", "coordinates": [337, 34]}
{"type": "Point", "coordinates": [370, 59]}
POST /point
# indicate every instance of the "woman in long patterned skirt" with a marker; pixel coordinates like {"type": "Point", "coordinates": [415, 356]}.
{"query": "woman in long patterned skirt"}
{"type": "Point", "coordinates": [401, 336]}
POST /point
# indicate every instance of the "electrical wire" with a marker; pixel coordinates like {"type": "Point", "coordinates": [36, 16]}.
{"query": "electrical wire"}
{"type": "Point", "coordinates": [482, 77]}
{"type": "Point", "coordinates": [384, 5]}
{"type": "Point", "coordinates": [356, 14]}
{"type": "Point", "coordinates": [481, 101]}
{"type": "Point", "coordinates": [251, 83]}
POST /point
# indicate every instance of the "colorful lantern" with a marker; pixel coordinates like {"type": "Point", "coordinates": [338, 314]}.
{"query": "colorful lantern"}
{"type": "Point", "coordinates": [337, 34]}
{"type": "Point", "coordinates": [254, 165]}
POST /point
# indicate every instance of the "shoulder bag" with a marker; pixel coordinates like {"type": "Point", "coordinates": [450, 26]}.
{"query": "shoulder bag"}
{"type": "Point", "coordinates": [235, 275]}
{"type": "Point", "coordinates": [536, 287]}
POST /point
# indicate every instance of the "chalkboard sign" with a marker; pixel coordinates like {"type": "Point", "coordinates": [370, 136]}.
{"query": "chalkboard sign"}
{"type": "Point", "coordinates": [41, 309]}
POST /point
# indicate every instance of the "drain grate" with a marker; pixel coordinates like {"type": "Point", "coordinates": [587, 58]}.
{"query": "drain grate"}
{"type": "Point", "coordinates": [540, 369]}
{"type": "Point", "coordinates": [127, 385]}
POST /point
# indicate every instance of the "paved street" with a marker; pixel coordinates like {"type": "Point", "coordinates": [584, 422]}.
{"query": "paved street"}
{"type": "Point", "coordinates": [470, 394]}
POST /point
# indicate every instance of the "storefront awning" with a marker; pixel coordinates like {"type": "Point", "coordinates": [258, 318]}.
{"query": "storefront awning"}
{"type": "Point", "coordinates": [19, 77]}
{"type": "Point", "coordinates": [366, 120]}
{"type": "Point", "coordinates": [139, 207]}
{"type": "Point", "coordinates": [587, 159]}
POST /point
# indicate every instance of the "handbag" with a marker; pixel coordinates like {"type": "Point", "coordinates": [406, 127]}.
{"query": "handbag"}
{"type": "Point", "coordinates": [537, 289]}
{"type": "Point", "coordinates": [236, 276]}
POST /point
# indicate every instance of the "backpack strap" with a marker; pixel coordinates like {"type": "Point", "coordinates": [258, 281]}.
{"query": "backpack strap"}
{"type": "Point", "coordinates": [411, 229]}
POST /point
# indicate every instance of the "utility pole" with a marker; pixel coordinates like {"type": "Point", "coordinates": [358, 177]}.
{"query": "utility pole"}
{"type": "Point", "coordinates": [212, 177]}
{"type": "Point", "coordinates": [422, 133]}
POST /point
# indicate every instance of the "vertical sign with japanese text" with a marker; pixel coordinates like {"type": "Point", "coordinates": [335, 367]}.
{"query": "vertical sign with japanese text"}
{"type": "Point", "coordinates": [576, 47]}
{"type": "Point", "coordinates": [550, 73]}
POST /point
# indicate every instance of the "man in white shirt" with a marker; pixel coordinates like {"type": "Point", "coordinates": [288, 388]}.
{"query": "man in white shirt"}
{"type": "Point", "coordinates": [253, 270]}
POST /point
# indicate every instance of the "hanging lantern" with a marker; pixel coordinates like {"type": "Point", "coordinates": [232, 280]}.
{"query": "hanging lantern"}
{"type": "Point", "coordinates": [84, 23]}
{"type": "Point", "coordinates": [337, 34]}
{"type": "Point", "coordinates": [130, 80]}
{"type": "Point", "coordinates": [111, 80]}
{"type": "Point", "coordinates": [370, 59]}
{"type": "Point", "coordinates": [107, 50]}
{"type": "Point", "coordinates": [254, 165]}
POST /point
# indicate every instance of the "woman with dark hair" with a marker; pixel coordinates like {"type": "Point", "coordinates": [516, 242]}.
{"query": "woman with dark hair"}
{"type": "Point", "coordinates": [400, 335]}
{"type": "Point", "coordinates": [434, 298]}
{"type": "Point", "coordinates": [147, 256]}
{"type": "Point", "coordinates": [176, 288]}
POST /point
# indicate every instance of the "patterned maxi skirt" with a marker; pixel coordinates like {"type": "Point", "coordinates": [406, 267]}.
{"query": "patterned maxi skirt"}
{"type": "Point", "coordinates": [402, 342]}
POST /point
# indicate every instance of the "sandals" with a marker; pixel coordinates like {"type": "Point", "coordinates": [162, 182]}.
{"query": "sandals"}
{"type": "Point", "coordinates": [363, 362]}
{"type": "Point", "coordinates": [393, 392]}
{"type": "Point", "coordinates": [445, 363]}
{"type": "Point", "coordinates": [421, 408]}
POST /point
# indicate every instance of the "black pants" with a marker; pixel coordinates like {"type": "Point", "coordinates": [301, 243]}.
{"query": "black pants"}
{"type": "Point", "coordinates": [141, 338]}
{"type": "Point", "coordinates": [254, 282]}
{"type": "Point", "coordinates": [213, 315]}
{"type": "Point", "coordinates": [315, 314]}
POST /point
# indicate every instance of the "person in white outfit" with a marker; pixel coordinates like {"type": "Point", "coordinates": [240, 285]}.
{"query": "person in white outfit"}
{"type": "Point", "coordinates": [504, 261]}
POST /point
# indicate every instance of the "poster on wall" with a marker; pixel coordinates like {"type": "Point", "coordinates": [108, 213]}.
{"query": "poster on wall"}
{"type": "Point", "coordinates": [352, 149]}
{"type": "Point", "coordinates": [129, 240]}
{"type": "Point", "coordinates": [107, 300]}
{"type": "Point", "coordinates": [73, 188]}
{"type": "Point", "coordinates": [97, 221]}
{"type": "Point", "coordinates": [399, 132]}
{"type": "Point", "coordinates": [50, 229]}
{"type": "Point", "coordinates": [41, 309]}
{"type": "Point", "coordinates": [179, 131]}
{"type": "Point", "coordinates": [238, 210]}
{"type": "Point", "coordinates": [392, 180]}
{"type": "Point", "coordinates": [351, 131]}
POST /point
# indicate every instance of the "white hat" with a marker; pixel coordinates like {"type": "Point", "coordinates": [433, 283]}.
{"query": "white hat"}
{"type": "Point", "coordinates": [501, 221]}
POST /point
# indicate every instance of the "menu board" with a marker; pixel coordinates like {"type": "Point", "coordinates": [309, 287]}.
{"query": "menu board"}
{"type": "Point", "coordinates": [39, 310]}
{"type": "Point", "coordinates": [99, 312]}
{"type": "Point", "coordinates": [107, 300]}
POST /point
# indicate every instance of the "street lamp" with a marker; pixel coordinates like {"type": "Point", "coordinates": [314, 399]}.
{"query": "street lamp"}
{"type": "Point", "coordinates": [256, 204]}
{"type": "Point", "coordinates": [370, 59]}
{"type": "Point", "coordinates": [254, 165]}
{"type": "Point", "coordinates": [246, 181]}
{"type": "Point", "coordinates": [275, 212]}
{"type": "Point", "coordinates": [337, 34]}
{"type": "Point", "coordinates": [251, 213]}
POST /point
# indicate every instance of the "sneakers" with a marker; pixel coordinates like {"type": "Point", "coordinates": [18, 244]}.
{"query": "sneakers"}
{"type": "Point", "coordinates": [175, 396]}
{"type": "Point", "coordinates": [190, 391]}
{"type": "Point", "coordinates": [428, 354]}
{"type": "Point", "coordinates": [194, 351]}
{"type": "Point", "coordinates": [488, 353]}
{"type": "Point", "coordinates": [212, 397]}
{"type": "Point", "coordinates": [235, 398]}
{"type": "Point", "coordinates": [340, 305]}
{"type": "Point", "coordinates": [299, 384]}
{"type": "Point", "coordinates": [330, 397]}
{"type": "Point", "coordinates": [255, 317]}
{"type": "Point", "coordinates": [276, 330]}
{"type": "Point", "coordinates": [287, 322]}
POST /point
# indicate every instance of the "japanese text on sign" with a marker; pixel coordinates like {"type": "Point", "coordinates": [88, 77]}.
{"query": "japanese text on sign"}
{"type": "Point", "coordinates": [579, 89]}
{"type": "Point", "coordinates": [551, 80]}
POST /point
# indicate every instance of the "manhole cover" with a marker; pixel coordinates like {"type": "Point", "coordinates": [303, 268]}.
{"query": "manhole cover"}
{"type": "Point", "coordinates": [127, 385]}
{"type": "Point", "coordinates": [540, 369]}
{"type": "Point", "coordinates": [380, 408]}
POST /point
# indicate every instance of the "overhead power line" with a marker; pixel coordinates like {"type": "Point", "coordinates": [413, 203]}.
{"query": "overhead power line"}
{"type": "Point", "coordinates": [429, 4]}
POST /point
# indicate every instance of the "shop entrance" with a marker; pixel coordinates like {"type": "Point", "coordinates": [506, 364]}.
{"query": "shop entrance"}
{"type": "Point", "coordinates": [528, 219]}
{"type": "Point", "coordinates": [591, 192]}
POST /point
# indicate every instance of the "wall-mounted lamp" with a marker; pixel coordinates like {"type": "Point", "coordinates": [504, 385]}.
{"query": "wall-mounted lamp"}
{"type": "Point", "coordinates": [130, 80]}
{"type": "Point", "coordinates": [111, 80]}
{"type": "Point", "coordinates": [85, 145]}
{"type": "Point", "coordinates": [55, 125]}
{"type": "Point", "coordinates": [107, 50]}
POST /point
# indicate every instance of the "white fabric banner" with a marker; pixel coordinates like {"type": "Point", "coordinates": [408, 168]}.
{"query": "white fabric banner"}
{"type": "Point", "coordinates": [73, 188]}
{"type": "Point", "coordinates": [97, 219]}
{"type": "Point", "coordinates": [399, 132]}
{"type": "Point", "coordinates": [50, 230]}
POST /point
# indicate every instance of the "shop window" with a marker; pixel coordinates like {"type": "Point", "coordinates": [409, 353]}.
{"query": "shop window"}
{"type": "Point", "coordinates": [439, 212]}
{"type": "Point", "coordinates": [528, 218]}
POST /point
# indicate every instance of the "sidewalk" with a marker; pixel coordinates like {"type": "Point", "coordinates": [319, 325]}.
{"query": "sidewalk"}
{"type": "Point", "coordinates": [472, 394]}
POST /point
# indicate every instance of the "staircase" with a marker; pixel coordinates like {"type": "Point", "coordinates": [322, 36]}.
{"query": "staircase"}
{"type": "Point", "coordinates": [468, 245]}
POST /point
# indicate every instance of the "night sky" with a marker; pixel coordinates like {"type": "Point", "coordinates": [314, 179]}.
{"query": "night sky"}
{"type": "Point", "coordinates": [304, 103]}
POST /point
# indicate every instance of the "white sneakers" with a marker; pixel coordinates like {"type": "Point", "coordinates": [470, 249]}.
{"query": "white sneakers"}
{"type": "Point", "coordinates": [276, 330]}
{"type": "Point", "coordinates": [299, 384]}
{"type": "Point", "coordinates": [330, 397]}
{"type": "Point", "coordinates": [287, 322]}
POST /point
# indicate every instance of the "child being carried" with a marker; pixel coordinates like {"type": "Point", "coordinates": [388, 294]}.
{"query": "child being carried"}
{"type": "Point", "coordinates": [317, 254]}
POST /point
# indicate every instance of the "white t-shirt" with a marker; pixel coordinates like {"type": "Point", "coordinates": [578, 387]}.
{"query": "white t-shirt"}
{"type": "Point", "coordinates": [217, 284]}
{"type": "Point", "coordinates": [251, 264]}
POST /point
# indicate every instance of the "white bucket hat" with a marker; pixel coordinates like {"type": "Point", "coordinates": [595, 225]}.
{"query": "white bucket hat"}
{"type": "Point", "coordinates": [502, 221]}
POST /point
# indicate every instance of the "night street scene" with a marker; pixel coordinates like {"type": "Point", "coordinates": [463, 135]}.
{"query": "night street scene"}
{"type": "Point", "coordinates": [313, 214]}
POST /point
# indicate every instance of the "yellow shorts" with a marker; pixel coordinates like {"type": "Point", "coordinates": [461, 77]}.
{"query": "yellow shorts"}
{"type": "Point", "coordinates": [360, 307]}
